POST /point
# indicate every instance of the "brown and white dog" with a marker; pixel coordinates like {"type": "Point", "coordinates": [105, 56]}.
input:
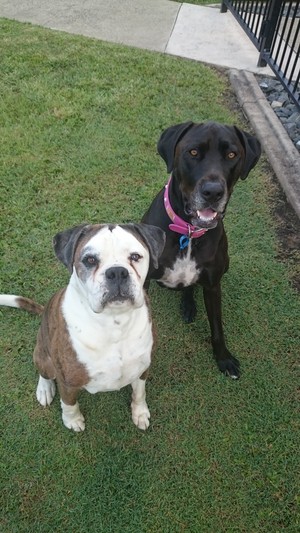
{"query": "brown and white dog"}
{"type": "Point", "coordinates": [96, 334]}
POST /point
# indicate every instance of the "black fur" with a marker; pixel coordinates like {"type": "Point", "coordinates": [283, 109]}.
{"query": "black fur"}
{"type": "Point", "coordinates": [206, 161]}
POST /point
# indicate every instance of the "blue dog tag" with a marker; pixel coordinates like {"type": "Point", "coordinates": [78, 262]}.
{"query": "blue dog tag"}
{"type": "Point", "coordinates": [183, 242]}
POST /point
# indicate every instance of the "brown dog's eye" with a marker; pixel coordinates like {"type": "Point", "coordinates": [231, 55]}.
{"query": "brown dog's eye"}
{"type": "Point", "coordinates": [90, 261]}
{"type": "Point", "coordinates": [135, 257]}
{"type": "Point", "coordinates": [231, 155]}
{"type": "Point", "coordinates": [194, 152]}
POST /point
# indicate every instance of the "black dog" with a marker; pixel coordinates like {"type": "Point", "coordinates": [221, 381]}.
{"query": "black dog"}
{"type": "Point", "coordinates": [206, 160]}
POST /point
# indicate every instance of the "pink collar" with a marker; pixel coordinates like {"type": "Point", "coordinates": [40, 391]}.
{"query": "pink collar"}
{"type": "Point", "coordinates": [179, 225]}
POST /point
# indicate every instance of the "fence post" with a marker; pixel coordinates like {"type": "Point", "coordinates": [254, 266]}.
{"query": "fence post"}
{"type": "Point", "coordinates": [268, 30]}
{"type": "Point", "coordinates": [223, 7]}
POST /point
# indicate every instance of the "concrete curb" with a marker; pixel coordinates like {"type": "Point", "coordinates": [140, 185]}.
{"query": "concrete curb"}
{"type": "Point", "coordinates": [282, 154]}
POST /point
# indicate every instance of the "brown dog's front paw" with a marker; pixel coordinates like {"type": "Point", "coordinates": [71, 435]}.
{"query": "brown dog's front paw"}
{"type": "Point", "coordinates": [45, 391]}
{"type": "Point", "coordinates": [72, 417]}
{"type": "Point", "coordinates": [140, 415]}
{"type": "Point", "coordinates": [230, 367]}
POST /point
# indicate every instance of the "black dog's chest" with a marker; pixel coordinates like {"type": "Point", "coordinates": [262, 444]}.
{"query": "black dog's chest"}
{"type": "Point", "coordinates": [183, 272]}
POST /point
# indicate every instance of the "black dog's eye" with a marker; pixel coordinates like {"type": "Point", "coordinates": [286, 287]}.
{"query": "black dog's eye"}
{"type": "Point", "coordinates": [194, 152]}
{"type": "Point", "coordinates": [135, 257]}
{"type": "Point", "coordinates": [90, 261]}
{"type": "Point", "coordinates": [231, 155]}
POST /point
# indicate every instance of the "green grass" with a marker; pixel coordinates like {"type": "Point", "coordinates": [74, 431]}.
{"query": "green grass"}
{"type": "Point", "coordinates": [79, 123]}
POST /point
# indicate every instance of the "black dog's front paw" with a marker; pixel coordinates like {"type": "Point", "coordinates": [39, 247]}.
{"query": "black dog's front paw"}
{"type": "Point", "coordinates": [230, 367]}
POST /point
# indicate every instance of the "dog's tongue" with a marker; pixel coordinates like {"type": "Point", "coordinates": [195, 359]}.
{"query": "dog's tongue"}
{"type": "Point", "coordinates": [206, 215]}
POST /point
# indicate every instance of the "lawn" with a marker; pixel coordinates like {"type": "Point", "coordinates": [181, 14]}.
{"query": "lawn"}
{"type": "Point", "coordinates": [79, 123]}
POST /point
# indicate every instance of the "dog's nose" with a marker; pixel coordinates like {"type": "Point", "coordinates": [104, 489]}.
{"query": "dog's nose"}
{"type": "Point", "coordinates": [117, 274]}
{"type": "Point", "coordinates": [212, 191]}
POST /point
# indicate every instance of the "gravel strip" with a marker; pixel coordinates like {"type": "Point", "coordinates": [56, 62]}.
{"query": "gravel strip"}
{"type": "Point", "coordinates": [285, 109]}
{"type": "Point", "coordinates": [281, 151]}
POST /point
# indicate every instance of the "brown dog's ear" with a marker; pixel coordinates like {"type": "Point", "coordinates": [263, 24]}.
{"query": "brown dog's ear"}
{"type": "Point", "coordinates": [252, 149]}
{"type": "Point", "coordinates": [65, 242]}
{"type": "Point", "coordinates": [168, 141]}
{"type": "Point", "coordinates": [152, 236]}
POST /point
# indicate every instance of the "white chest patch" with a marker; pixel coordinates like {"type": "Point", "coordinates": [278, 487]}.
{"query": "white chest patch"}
{"type": "Point", "coordinates": [118, 367]}
{"type": "Point", "coordinates": [115, 348]}
{"type": "Point", "coordinates": [184, 272]}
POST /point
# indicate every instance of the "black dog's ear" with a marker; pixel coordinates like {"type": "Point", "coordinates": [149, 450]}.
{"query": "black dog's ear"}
{"type": "Point", "coordinates": [65, 242]}
{"type": "Point", "coordinates": [252, 149]}
{"type": "Point", "coordinates": [153, 237]}
{"type": "Point", "coordinates": [168, 141]}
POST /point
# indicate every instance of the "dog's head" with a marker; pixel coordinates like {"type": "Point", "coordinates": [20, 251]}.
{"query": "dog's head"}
{"type": "Point", "coordinates": [206, 160]}
{"type": "Point", "coordinates": [109, 263]}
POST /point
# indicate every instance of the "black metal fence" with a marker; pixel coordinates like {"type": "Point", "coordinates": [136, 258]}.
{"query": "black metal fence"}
{"type": "Point", "coordinates": [274, 28]}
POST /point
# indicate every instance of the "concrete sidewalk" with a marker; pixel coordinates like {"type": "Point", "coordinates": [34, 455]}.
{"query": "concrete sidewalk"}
{"type": "Point", "coordinates": [186, 30]}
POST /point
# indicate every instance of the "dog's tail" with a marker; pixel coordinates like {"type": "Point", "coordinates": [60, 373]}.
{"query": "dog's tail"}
{"type": "Point", "coordinates": [10, 300]}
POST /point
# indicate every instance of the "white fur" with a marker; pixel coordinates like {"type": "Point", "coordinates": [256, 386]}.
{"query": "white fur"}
{"type": "Point", "coordinates": [115, 343]}
{"type": "Point", "coordinates": [114, 249]}
{"type": "Point", "coordinates": [114, 346]}
{"type": "Point", "coordinates": [9, 300]}
{"type": "Point", "coordinates": [72, 417]}
{"type": "Point", "coordinates": [45, 391]}
{"type": "Point", "coordinates": [184, 271]}
{"type": "Point", "coordinates": [139, 408]}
